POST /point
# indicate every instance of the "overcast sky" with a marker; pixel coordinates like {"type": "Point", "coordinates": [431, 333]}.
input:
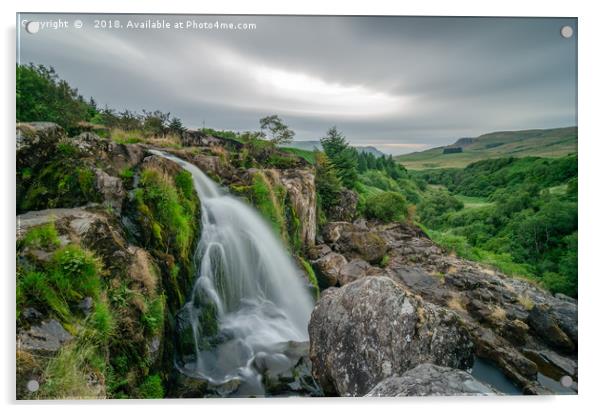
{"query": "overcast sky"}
{"type": "Point", "coordinates": [401, 84]}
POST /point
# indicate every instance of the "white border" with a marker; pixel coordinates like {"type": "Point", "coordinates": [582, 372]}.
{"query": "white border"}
{"type": "Point", "coordinates": [590, 152]}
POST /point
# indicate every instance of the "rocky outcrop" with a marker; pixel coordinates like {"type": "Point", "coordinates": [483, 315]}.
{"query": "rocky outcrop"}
{"type": "Point", "coordinates": [355, 241]}
{"type": "Point", "coordinates": [300, 188]}
{"type": "Point", "coordinates": [431, 380]}
{"type": "Point", "coordinates": [373, 328]}
{"type": "Point", "coordinates": [36, 142]}
{"type": "Point", "coordinates": [507, 317]}
{"type": "Point", "coordinates": [198, 138]}
{"type": "Point", "coordinates": [54, 170]}
{"type": "Point", "coordinates": [522, 329]}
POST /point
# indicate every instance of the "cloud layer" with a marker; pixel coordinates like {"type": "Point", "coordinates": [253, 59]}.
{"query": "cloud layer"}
{"type": "Point", "coordinates": [399, 83]}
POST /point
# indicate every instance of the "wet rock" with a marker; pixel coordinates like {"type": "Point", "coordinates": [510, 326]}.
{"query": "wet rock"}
{"type": "Point", "coordinates": [515, 365]}
{"type": "Point", "coordinates": [327, 268]}
{"type": "Point", "coordinates": [431, 380]}
{"type": "Point", "coordinates": [543, 322]}
{"type": "Point", "coordinates": [44, 339]}
{"type": "Point", "coordinates": [373, 328]}
{"type": "Point", "coordinates": [552, 364]}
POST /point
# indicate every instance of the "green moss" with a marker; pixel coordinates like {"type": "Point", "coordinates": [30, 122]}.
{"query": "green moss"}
{"type": "Point", "coordinates": [170, 209]}
{"type": "Point", "coordinates": [269, 201]}
{"type": "Point", "coordinates": [44, 236]}
{"type": "Point", "coordinates": [311, 275]}
{"type": "Point", "coordinates": [152, 388]}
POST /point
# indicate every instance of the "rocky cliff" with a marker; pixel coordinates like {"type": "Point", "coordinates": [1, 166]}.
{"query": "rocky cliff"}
{"type": "Point", "coordinates": [522, 329]}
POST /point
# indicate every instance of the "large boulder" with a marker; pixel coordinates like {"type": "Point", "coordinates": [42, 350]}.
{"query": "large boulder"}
{"type": "Point", "coordinates": [431, 380]}
{"type": "Point", "coordinates": [373, 328]}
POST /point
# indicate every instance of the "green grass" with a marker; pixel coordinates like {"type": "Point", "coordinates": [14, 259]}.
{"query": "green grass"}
{"type": "Point", "coordinates": [473, 201]}
{"type": "Point", "coordinates": [43, 236]}
{"type": "Point", "coordinates": [309, 156]}
{"type": "Point", "coordinates": [547, 143]}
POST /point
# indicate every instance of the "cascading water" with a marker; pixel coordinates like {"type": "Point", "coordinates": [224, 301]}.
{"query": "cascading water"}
{"type": "Point", "coordinates": [248, 283]}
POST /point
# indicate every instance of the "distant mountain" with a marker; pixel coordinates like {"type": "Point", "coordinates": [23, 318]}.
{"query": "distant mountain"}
{"type": "Point", "coordinates": [312, 145]}
{"type": "Point", "coordinates": [547, 143]}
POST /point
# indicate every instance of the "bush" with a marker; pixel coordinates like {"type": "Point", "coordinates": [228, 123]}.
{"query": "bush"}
{"type": "Point", "coordinates": [386, 207]}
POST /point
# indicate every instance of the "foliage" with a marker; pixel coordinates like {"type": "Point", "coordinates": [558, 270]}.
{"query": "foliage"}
{"type": "Point", "coordinates": [341, 155]}
{"type": "Point", "coordinates": [523, 227]}
{"type": "Point", "coordinates": [43, 96]}
{"type": "Point", "coordinates": [43, 236]}
{"type": "Point", "coordinates": [152, 388]}
{"type": "Point", "coordinates": [276, 130]}
{"type": "Point", "coordinates": [328, 184]}
{"type": "Point", "coordinates": [386, 207]}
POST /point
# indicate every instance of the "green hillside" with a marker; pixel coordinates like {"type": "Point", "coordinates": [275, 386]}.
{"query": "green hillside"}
{"type": "Point", "coordinates": [548, 143]}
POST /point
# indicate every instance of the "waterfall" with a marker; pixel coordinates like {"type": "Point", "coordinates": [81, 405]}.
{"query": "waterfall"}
{"type": "Point", "coordinates": [248, 281]}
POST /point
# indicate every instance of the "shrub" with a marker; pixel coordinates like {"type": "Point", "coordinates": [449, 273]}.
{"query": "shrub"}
{"type": "Point", "coordinates": [386, 207]}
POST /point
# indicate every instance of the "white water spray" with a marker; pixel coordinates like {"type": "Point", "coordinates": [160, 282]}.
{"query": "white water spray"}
{"type": "Point", "coordinates": [250, 279]}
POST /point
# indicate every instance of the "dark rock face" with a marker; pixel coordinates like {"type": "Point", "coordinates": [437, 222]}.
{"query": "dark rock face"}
{"type": "Point", "coordinates": [543, 322]}
{"type": "Point", "coordinates": [373, 328]}
{"type": "Point", "coordinates": [431, 380]}
{"type": "Point", "coordinates": [44, 339]}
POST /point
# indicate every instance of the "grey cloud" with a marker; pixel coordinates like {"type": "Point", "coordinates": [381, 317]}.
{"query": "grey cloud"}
{"type": "Point", "coordinates": [403, 80]}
